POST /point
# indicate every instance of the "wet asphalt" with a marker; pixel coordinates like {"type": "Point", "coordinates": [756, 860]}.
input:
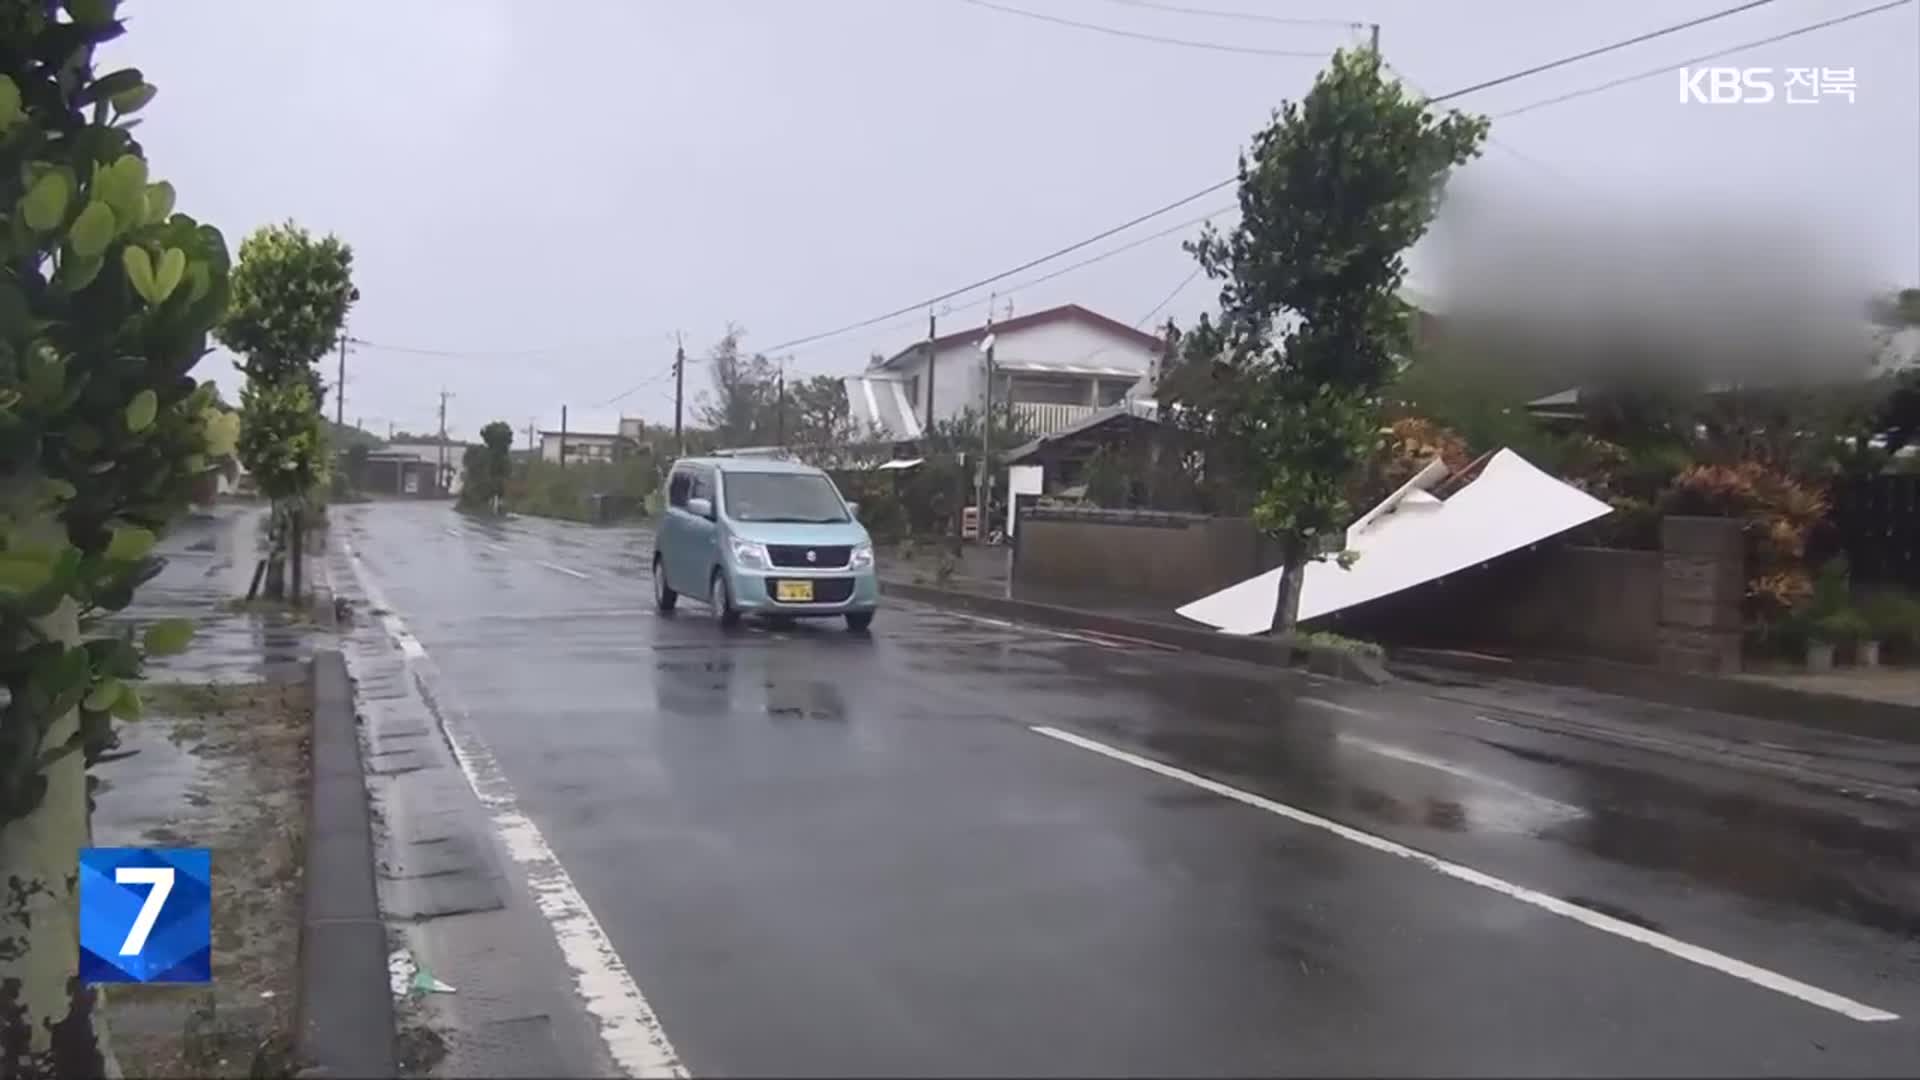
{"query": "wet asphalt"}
{"type": "Point", "coordinates": [826, 853]}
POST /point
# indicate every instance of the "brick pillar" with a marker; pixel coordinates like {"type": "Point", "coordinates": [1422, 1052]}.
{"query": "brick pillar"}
{"type": "Point", "coordinates": [1703, 579]}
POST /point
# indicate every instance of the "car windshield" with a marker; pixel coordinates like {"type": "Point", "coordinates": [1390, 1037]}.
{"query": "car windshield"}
{"type": "Point", "coordinates": [791, 497]}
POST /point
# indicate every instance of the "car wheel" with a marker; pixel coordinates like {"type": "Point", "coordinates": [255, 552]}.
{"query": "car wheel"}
{"type": "Point", "coordinates": [724, 612]}
{"type": "Point", "coordinates": [663, 595]}
{"type": "Point", "coordinates": [858, 621]}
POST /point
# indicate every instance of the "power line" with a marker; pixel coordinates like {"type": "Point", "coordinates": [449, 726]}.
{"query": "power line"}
{"type": "Point", "coordinates": [920, 305]}
{"type": "Point", "coordinates": [1246, 50]}
{"type": "Point", "coordinates": [1244, 16]}
{"type": "Point", "coordinates": [1177, 290]}
{"type": "Point", "coordinates": [1591, 53]}
{"type": "Point", "coordinates": [1861, 14]}
{"type": "Point", "coordinates": [461, 354]}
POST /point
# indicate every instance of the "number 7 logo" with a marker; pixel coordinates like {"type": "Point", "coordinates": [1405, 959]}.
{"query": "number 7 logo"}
{"type": "Point", "coordinates": [146, 915]}
{"type": "Point", "coordinates": [161, 878]}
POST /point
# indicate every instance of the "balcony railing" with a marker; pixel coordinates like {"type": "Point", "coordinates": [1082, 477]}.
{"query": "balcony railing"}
{"type": "Point", "coordinates": [1046, 419]}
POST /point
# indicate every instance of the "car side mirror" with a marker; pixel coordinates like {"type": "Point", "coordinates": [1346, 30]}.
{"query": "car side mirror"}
{"type": "Point", "coordinates": [853, 508]}
{"type": "Point", "coordinates": [700, 508]}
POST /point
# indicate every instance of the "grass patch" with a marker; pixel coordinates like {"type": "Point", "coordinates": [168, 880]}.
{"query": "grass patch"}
{"type": "Point", "coordinates": [1325, 640]}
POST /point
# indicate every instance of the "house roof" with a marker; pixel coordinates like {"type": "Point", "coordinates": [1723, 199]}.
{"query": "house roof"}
{"type": "Point", "coordinates": [571, 434]}
{"type": "Point", "coordinates": [1133, 408]}
{"type": "Point", "coordinates": [1063, 313]}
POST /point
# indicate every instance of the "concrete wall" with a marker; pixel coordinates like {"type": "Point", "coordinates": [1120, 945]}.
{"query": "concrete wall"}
{"type": "Point", "coordinates": [1138, 556]}
{"type": "Point", "coordinates": [1555, 598]}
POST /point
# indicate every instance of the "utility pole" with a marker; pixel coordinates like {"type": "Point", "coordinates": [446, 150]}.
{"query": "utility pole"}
{"type": "Point", "coordinates": [563, 436]}
{"type": "Point", "coordinates": [986, 437]}
{"type": "Point", "coordinates": [340, 386]}
{"type": "Point", "coordinates": [440, 478]}
{"type": "Point", "coordinates": [930, 354]}
{"type": "Point", "coordinates": [1374, 34]}
{"type": "Point", "coordinates": [780, 405]}
{"type": "Point", "coordinates": [679, 394]}
{"type": "Point", "coordinates": [530, 447]}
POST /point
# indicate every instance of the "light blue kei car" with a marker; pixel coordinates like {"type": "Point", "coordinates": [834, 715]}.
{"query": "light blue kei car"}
{"type": "Point", "coordinates": [762, 536]}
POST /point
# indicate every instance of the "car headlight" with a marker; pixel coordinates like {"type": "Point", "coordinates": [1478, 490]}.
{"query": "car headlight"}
{"type": "Point", "coordinates": [750, 555]}
{"type": "Point", "coordinates": [862, 556]}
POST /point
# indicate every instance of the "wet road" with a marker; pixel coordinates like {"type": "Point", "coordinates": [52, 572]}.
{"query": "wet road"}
{"type": "Point", "coordinates": [955, 847]}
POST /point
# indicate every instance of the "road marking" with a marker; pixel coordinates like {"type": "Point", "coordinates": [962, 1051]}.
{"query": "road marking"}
{"type": "Point", "coordinates": [1473, 776]}
{"type": "Point", "coordinates": [498, 547]}
{"type": "Point", "coordinates": [562, 569]}
{"type": "Point", "coordinates": [1322, 703]}
{"type": "Point", "coordinates": [628, 1025]}
{"type": "Point", "coordinates": [1726, 965]}
{"type": "Point", "coordinates": [410, 646]}
{"type": "Point", "coordinates": [452, 531]}
{"type": "Point", "coordinates": [1005, 625]}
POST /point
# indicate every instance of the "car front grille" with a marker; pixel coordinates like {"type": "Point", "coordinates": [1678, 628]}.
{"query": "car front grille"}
{"type": "Point", "coordinates": [826, 590]}
{"type": "Point", "coordinates": [825, 557]}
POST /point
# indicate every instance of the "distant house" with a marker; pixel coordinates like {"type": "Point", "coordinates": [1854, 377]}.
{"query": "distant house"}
{"type": "Point", "coordinates": [447, 458]}
{"type": "Point", "coordinates": [603, 438]}
{"type": "Point", "coordinates": [1057, 367]}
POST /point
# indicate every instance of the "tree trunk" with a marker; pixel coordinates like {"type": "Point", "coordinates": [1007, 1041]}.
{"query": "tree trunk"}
{"type": "Point", "coordinates": [1286, 599]}
{"type": "Point", "coordinates": [49, 1023]}
{"type": "Point", "coordinates": [276, 555]}
{"type": "Point", "coordinates": [296, 543]}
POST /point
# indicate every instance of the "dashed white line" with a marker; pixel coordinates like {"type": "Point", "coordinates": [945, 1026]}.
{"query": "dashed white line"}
{"type": "Point", "coordinates": [1004, 624]}
{"type": "Point", "coordinates": [628, 1025]}
{"type": "Point", "coordinates": [498, 547]}
{"type": "Point", "coordinates": [451, 531]}
{"type": "Point", "coordinates": [1707, 958]}
{"type": "Point", "coordinates": [562, 569]}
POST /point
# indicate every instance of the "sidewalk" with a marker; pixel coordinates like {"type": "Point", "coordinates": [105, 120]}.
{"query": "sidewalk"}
{"type": "Point", "coordinates": [219, 760]}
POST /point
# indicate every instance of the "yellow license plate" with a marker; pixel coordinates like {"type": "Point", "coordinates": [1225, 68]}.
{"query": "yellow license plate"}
{"type": "Point", "coordinates": [793, 592]}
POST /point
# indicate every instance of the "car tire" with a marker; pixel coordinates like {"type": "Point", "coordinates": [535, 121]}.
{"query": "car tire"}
{"type": "Point", "coordinates": [663, 595]}
{"type": "Point", "coordinates": [858, 621]}
{"type": "Point", "coordinates": [718, 597]}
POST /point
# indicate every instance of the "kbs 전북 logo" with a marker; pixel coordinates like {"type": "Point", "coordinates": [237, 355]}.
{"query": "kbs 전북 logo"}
{"type": "Point", "coordinates": [146, 915]}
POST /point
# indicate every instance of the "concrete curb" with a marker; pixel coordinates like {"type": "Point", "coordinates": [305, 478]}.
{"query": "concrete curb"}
{"type": "Point", "coordinates": [1338, 663]}
{"type": "Point", "coordinates": [346, 1009]}
{"type": "Point", "coordinates": [1837, 713]}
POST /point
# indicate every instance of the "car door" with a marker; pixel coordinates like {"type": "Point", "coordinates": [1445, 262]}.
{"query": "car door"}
{"type": "Point", "coordinates": [672, 541]}
{"type": "Point", "coordinates": [700, 546]}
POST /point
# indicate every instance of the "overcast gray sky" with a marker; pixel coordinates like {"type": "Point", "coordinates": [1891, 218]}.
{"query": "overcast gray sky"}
{"type": "Point", "coordinates": [577, 182]}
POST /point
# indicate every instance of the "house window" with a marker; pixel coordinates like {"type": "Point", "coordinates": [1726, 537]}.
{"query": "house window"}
{"type": "Point", "coordinates": [1051, 390]}
{"type": "Point", "coordinates": [1113, 390]}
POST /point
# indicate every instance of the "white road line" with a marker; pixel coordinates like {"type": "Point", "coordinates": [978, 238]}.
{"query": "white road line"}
{"type": "Point", "coordinates": [1473, 776]}
{"type": "Point", "coordinates": [631, 1030]}
{"type": "Point", "coordinates": [452, 531]}
{"type": "Point", "coordinates": [498, 547]}
{"type": "Point", "coordinates": [562, 569]}
{"type": "Point", "coordinates": [1005, 625]}
{"type": "Point", "coordinates": [1322, 703]}
{"type": "Point", "coordinates": [1726, 965]}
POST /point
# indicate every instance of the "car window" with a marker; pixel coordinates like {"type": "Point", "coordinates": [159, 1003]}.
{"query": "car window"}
{"type": "Point", "coordinates": [677, 487]}
{"type": "Point", "coordinates": [702, 485]}
{"type": "Point", "coordinates": [794, 497]}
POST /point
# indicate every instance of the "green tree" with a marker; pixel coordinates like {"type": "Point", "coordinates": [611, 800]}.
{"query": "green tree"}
{"type": "Point", "coordinates": [106, 297]}
{"type": "Point", "coordinates": [1312, 329]}
{"type": "Point", "coordinates": [488, 467]}
{"type": "Point", "coordinates": [291, 294]}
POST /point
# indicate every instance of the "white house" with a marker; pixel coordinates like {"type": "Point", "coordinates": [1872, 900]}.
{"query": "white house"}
{"type": "Point", "coordinates": [1060, 366]}
{"type": "Point", "coordinates": [451, 457]}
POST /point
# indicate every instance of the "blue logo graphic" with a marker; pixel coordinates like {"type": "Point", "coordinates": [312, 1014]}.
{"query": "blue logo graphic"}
{"type": "Point", "coordinates": [146, 915]}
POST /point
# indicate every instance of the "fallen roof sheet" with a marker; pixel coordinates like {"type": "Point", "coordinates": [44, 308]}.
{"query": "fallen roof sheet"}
{"type": "Point", "coordinates": [1413, 538]}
